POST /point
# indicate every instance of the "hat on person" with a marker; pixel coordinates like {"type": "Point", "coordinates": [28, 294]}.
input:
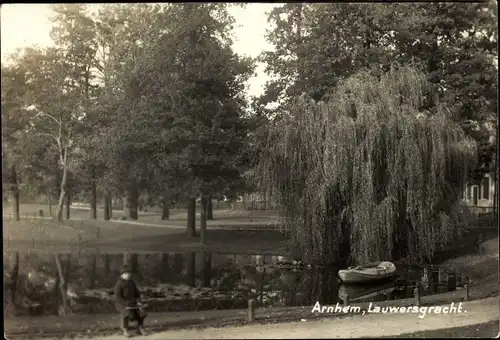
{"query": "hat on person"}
{"type": "Point", "coordinates": [126, 269]}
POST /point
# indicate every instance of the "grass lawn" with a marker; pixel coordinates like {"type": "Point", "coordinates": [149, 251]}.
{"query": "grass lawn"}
{"type": "Point", "coordinates": [106, 236]}
{"type": "Point", "coordinates": [153, 215]}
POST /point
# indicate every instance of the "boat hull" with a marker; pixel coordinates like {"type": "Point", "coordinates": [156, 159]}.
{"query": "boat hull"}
{"type": "Point", "coordinates": [366, 274]}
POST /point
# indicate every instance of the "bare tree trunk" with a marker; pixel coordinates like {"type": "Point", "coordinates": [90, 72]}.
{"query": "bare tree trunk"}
{"type": "Point", "coordinates": [210, 210]}
{"type": "Point", "coordinates": [50, 205]}
{"type": "Point", "coordinates": [191, 218]}
{"type": "Point", "coordinates": [131, 202]}
{"type": "Point", "coordinates": [68, 204]}
{"type": "Point", "coordinates": [203, 220]}
{"type": "Point", "coordinates": [62, 285]}
{"type": "Point", "coordinates": [15, 192]}
{"type": "Point", "coordinates": [62, 195]}
{"type": "Point", "coordinates": [107, 206]}
{"type": "Point", "coordinates": [110, 198]}
{"type": "Point", "coordinates": [93, 193]}
{"type": "Point", "coordinates": [165, 211]}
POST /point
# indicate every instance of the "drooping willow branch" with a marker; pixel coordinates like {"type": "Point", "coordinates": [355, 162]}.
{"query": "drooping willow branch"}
{"type": "Point", "coordinates": [368, 173]}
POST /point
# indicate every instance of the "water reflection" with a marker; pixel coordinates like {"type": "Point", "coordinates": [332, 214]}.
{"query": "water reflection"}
{"type": "Point", "coordinates": [191, 281]}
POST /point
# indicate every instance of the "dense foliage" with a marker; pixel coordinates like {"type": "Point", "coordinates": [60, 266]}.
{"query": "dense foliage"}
{"type": "Point", "coordinates": [371, 173]}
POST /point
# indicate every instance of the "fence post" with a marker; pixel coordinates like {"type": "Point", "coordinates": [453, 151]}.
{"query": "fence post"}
{"type": "Point", "coordinates": [33, 241]}
{"type": "Point", "coordinates": [251, 310]}
{"type": "Point", "coordinates": [416, 296]}
{"type": "Point", "coordinates": [466, 288]}
{"type": "Point", "coordinates": [346, 300]}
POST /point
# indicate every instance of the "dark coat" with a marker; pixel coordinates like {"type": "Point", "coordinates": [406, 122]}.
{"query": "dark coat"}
{"type": "Point", "coordinates": [126, 294]}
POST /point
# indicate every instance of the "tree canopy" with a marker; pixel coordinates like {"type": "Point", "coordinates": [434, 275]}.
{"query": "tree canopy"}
{"type": "Point", "coordinates": [371, 173]}
{"type": "Point", "coordinates": [316, 46]}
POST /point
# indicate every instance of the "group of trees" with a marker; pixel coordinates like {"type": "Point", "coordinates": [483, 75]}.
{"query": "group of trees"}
{"type": "Point", "coordinates": [131, 99]}
{"type": "Point", "coordinates": [382, 112]}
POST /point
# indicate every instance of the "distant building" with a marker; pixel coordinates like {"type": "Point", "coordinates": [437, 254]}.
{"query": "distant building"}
{"type": "Point", "coordinates": [480, 197]}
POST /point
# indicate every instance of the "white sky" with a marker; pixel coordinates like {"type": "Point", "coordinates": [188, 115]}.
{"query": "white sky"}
{"type": "Point", "coordinates": [25, 25]}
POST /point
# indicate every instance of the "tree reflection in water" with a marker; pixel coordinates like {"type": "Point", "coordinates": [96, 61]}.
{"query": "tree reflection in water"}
{"type": "Point", "coordinates": [177, 281]}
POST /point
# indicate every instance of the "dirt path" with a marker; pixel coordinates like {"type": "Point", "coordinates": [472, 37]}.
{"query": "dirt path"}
{"type": "Point", "coordinates": [356, 326]}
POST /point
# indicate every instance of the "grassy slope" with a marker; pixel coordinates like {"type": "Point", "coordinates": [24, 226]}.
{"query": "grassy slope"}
{"type": "Point", "coordinates": [35, 234]}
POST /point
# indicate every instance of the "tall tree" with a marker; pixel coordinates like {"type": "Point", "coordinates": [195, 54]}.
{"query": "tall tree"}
{"type": "Point", "coordinates": [454, 44]}
{"type": "Point", "coordinates": [51, 103]}
{"type": "Point", "coordinates": [14, 122]}
{"type": "Point", "coordinates": [369, 174]}
{"type": "Point", "coordinates": [188, 95]}
{"type": "Point", "coordinates": [124, 31]}
{"type": "Point", "coordinates": [74, 33]}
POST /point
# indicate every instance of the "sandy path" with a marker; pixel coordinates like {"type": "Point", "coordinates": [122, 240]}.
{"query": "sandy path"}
{"type": "Point", "coordinates": [356, 326]}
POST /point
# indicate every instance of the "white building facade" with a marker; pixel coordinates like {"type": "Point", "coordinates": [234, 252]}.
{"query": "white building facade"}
{"type": "Point", "coordinates": [480, 197]}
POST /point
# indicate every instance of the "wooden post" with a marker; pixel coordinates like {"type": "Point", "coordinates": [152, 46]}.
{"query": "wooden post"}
{"type": "Point", "coordinates": [442, 276]}
{"type": "Point", "coordinates": [416, 296]}
{"type": "Point", "coordinates": [251, 310]}
{"type": "Point", "coordinates": [466, 286]}
{"type": "Point", "coordinates": [346, 300]}
{"type": "Point", "coordinates": [33, 241]}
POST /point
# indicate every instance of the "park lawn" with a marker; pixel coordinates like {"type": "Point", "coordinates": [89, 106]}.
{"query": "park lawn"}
{"type": "Point", "coordinates": [117, 236]}
{"type": "Point", "coordinates": [152, 215]}
{"type": "Point", "coordinates": [124, 235]}
{"type": "Point", "coordinates": [41, 230]}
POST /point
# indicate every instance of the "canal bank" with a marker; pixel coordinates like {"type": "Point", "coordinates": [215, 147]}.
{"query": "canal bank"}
{"type": "Point", "coordinates": [482, 270]}
{"type": "Point", "coordinates": [100, 325]}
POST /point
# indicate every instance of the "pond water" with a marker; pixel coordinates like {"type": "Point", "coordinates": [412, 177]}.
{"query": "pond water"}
{"type": "Point", "coordinates": [198, 281]}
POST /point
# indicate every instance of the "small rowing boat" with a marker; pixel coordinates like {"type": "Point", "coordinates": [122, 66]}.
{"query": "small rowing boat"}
{"type": "Point", "coordinates": [370, 272]}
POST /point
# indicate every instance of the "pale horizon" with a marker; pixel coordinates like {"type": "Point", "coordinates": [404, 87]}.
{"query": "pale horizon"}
{"type": "Point", "coordinates": [28, 25]}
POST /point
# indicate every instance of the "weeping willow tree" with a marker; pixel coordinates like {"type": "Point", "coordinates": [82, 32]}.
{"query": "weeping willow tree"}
{"type": "Point", "coordinates": [369, 174]}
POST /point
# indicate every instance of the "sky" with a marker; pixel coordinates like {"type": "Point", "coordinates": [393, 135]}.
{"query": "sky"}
{"type": "Point", "coordinates": [24, 25]}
